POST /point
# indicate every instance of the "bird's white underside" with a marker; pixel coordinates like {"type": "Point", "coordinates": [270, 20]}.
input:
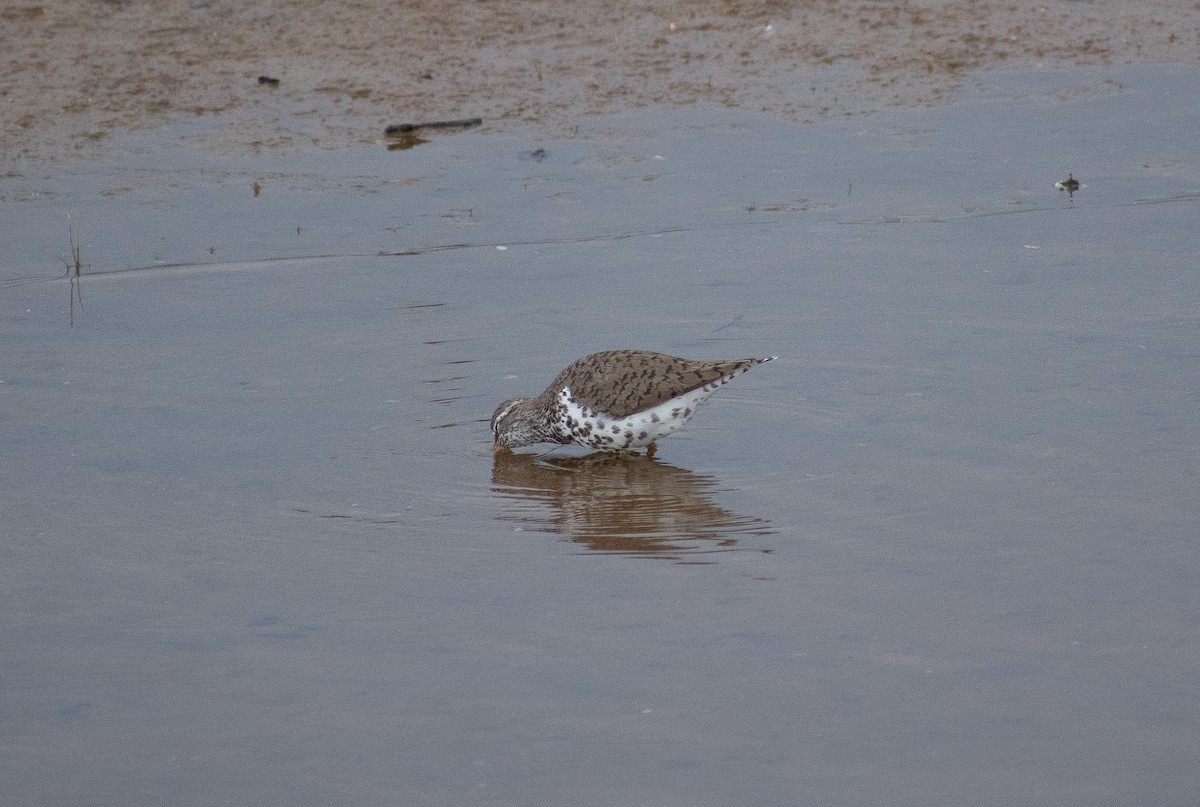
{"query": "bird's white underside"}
{"type": "Point", "coordinates": [641, 428]}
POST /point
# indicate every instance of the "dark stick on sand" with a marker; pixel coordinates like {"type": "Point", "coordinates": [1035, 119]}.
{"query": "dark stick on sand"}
{"type": "Point", "coordinates": [406, 128]}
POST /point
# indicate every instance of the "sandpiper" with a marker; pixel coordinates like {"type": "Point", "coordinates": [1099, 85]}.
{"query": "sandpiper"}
{"type": "Point", "coordinates": [617, 400]}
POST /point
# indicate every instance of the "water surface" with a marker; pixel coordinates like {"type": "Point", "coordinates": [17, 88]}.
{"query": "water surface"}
{"type": "Point", "coordinates": [942, 552]}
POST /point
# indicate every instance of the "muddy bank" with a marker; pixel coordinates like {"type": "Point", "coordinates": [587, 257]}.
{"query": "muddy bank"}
{"type": "Point", "coordinates": [75, 73]}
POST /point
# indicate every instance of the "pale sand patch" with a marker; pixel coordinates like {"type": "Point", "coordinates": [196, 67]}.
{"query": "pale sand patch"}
{"type": "Point", "coordinates": [74, 72]}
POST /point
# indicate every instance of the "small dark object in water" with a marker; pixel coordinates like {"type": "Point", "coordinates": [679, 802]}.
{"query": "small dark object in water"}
{"type": "Point", "coordinates": [1070, 185]}
{"type": "Point", "coordinates": [270, 82]}
{"type": "Point", "coordinates": [404, 141]}
{"type": "Point", "coordinates": [537, 155]}
{"type": "Point", "coordinates": [406, 128]}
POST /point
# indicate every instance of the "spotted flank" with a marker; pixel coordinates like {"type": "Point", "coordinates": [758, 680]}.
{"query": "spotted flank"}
{"type": "Point", "coordinates": [575, 423]}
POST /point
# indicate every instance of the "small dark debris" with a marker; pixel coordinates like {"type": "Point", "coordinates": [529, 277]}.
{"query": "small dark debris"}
{"type": "Point", "coordinates": [406, 128]}
{"type": "Point", "coordinates": [1070, 185]}
{"type": "Point", "coordinates": [401, 142]}
{"type": "Point", "coordinates": [269, 81]}
{"type": "Point", "coordinates": [537, 155]}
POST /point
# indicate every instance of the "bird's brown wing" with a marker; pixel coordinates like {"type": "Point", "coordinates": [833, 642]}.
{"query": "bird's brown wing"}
{"type": "Point", "coordinates": [621, 382]}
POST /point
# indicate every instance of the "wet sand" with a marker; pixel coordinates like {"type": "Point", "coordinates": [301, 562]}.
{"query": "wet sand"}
{"type": "Point", "coordinates": [76, 73]}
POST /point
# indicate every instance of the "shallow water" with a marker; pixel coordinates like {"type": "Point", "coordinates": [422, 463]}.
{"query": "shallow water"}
{"type": "Point", "coordinates": [943, 551]}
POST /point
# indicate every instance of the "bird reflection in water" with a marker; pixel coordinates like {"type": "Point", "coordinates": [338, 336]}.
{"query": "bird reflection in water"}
{"type": "Point", "coordinates": [620, 503]}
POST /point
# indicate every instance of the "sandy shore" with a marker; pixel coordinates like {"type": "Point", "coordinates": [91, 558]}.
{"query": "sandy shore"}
{"type": "Point", "coordinates": [75, 73]}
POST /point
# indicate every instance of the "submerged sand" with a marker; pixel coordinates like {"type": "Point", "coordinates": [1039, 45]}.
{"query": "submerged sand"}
{"type": "Point", "coordinates": [75, 73]}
